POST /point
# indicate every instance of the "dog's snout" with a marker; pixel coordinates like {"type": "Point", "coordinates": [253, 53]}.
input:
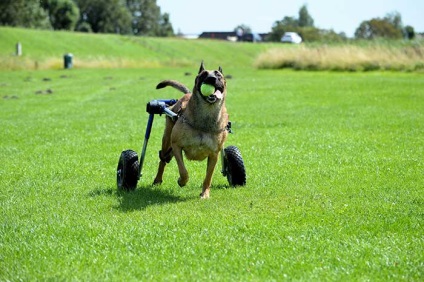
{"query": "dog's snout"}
{"type": "Point", "coordinates": [211, 79]}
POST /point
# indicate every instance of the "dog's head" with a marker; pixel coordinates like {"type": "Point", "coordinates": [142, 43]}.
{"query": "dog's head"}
{"type": "Point", "coordinates": [213, 78]}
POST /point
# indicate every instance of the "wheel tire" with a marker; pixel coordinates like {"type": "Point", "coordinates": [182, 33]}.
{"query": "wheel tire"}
{"type": "Point", "coordinates": [234, 166]}
{"type": "Point", "coordinates": [127, 173]}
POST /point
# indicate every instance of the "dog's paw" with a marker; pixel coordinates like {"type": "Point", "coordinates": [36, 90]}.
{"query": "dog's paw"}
{"type": "Point", "coordinates": [157, 182]}
{"type": "Point", "coordinates": [181, 182]}
{"type": "Point", "coordinates": [204, 195]}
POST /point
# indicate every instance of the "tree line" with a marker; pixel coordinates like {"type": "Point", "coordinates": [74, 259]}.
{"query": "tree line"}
{"type": "Point", "coordinates": [138, 17]}
{"type": "Point", "coordinates": [144, 17]}
{"type": "Point", "coordinates": [389, 27]}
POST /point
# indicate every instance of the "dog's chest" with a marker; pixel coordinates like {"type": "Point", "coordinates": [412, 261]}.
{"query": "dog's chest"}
{"type": "Point", "coordinates": [200, 145]}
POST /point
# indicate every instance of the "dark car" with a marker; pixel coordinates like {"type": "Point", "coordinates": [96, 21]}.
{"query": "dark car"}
{"type": "Point", "coordinates": [251, 37]}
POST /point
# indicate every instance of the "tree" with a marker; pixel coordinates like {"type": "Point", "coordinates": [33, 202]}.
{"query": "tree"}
{"type": "Point", "coordinates": [140, 17]}
{"type": "Point", "coordinates": [395, 19]}
{"type": "Point", "coordinates": [304, 26]}
{"type": "Point", "coordinates": [289, 22]}
{"type": "Point", "coordinates": [305, 20]}
{"type": "Point", "coordinates": [165, 26]}
{"type": "Point", "coordinates": [244, 28]}
{"type": "Point", "coordinates": [148, 22]}
{"type": "Point", "coordinates": [147, 19]}
{"type": "Point", "coordinates": [377, 28]}
{"type": "Point", "coordinates": [409, 32]}
{"type": "Point", "coordinates": [63, 14]}
{"type": "Point", "coordinates": [104, 16]}
{"type": "Point", "coordinates": [24, 13]}
{"type": "Point", "coordinates": [280, 27]}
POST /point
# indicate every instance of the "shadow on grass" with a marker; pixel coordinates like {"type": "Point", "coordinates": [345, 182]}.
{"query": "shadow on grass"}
{"type": "Point", "coordinates": [140, 198]}
{"type": "Point", "coordinates": [221, 187]}
{"type": "Point", "coordinates": [146, 196]}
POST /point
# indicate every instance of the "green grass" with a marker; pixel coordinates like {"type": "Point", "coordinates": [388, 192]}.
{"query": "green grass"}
{"type": "Point", "coordinates": [334, 190]}
{"type": "Point", "coordinates": [45, 49]}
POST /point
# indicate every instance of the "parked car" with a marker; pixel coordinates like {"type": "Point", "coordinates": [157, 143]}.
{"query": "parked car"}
{"type": "Point", "coordinates": [251, 37]}
{"type": "Point", "coordinates": [291, 37]}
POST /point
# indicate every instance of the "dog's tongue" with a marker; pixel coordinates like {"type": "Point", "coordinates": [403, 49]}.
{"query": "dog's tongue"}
{"type": "Point", "coordinates": [218, 94]}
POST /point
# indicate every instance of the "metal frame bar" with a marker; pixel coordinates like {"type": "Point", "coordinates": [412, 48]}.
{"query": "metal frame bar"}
{"type": "Point", "coordinates": [154, 107]}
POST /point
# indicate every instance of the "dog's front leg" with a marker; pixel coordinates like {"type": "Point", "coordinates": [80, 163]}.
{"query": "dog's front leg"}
{"type": "Point", "coordinates": [178, 154]}
{"type": "Point", "coordinates": [212, 160]}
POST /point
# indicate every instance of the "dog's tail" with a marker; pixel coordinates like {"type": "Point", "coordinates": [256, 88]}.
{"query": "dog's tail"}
{"type": "Point", "coordinates": [177, 85]}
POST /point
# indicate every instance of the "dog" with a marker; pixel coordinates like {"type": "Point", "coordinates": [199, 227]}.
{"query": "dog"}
{"type": "Point", "coordinates": [200, 130]}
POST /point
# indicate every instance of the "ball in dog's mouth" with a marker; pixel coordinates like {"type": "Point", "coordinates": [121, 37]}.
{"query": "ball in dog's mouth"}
{"type": "Point", "coordinates": [213, 94]}
{"type": "Point", "coordinates": [207, 89]}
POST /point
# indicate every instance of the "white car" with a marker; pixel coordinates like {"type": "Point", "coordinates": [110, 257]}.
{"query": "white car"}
{"type": "Point", "coordinates": [291, 37]}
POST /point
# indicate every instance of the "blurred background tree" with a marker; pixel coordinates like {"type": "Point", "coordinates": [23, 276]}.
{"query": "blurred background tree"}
{"type": "Point", "coordinates": [305, 20]}
{"type": "Point", "coordinates": [139, 17]}
{"type": "Point", "coordinates": [245, 28]}
{"type": "Point", "coordinates": [409, 32]}
{"type": "Point", "coordinates": [63, 14]}
{"type": "Point", "coordinates": [144, 18]}
{"type": "Point", "coordinates": [389, 27]}
{"type": "Point", "coordinates": [24, 13]}
{"type": "Point", "coordinates": [304, 26]}
{"type": "Point", "coordinates": [104, 16]}
{"type": "Point", "coordinates": [165, 26]}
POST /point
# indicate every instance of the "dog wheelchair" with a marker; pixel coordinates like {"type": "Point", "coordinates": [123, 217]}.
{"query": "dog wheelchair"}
{"type": "Point", "coordinates": [129, 170]}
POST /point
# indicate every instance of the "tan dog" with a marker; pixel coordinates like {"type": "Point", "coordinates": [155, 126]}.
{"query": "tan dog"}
{"type": "Point", "coordinates": [200, 130]}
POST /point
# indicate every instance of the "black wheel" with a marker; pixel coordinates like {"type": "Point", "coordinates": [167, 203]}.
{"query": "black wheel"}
{"type": "Point", "coordinates": [127, 172]}
{"type": "Point", "coordinates": [233, 166]}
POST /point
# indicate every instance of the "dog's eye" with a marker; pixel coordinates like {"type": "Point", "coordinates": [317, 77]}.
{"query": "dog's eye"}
{"type": "Point", "coordinates": [203, 76]}
{"type": "Point", "coordinates": [218, 74]}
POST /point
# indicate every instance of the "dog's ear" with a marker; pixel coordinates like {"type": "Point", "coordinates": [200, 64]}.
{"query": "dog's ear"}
{"type": "Point", "coordinates": [220, 70]}
{"type": "Point", "coordinates": [202, 67]}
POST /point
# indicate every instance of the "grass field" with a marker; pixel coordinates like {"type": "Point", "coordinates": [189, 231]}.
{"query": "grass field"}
{"type": "Point", "coordinates": [334, 161]}
{"type": "Point", "coordinates": [45, 49]}
{"type": "Point", "coordinates": [334, 164]}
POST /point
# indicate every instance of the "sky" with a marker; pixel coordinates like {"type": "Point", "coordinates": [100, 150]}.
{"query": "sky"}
{"type": "Point", "coordinates": [193, 17]}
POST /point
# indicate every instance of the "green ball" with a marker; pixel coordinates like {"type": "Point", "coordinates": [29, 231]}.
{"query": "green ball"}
{"type": "Point", "coordinates": [207, 89]}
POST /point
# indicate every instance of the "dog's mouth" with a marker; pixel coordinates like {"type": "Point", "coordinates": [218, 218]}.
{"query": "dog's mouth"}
{"type": "Point", "coordinates": [217, 95]}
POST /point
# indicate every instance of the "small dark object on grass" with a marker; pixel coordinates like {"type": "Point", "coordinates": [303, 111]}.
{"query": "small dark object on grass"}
{"type": "Point", "coordinates": [47, 91]}
{"type": "Point", "coordinates": [14, 97]}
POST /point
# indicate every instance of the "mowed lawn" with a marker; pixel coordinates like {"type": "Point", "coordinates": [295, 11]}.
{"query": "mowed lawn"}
{"type": "Point", "coordinates": [335, 186]}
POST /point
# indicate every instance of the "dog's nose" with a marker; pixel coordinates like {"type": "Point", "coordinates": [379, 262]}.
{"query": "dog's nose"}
{"type": "Point", "coordinates": [211, 79]}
